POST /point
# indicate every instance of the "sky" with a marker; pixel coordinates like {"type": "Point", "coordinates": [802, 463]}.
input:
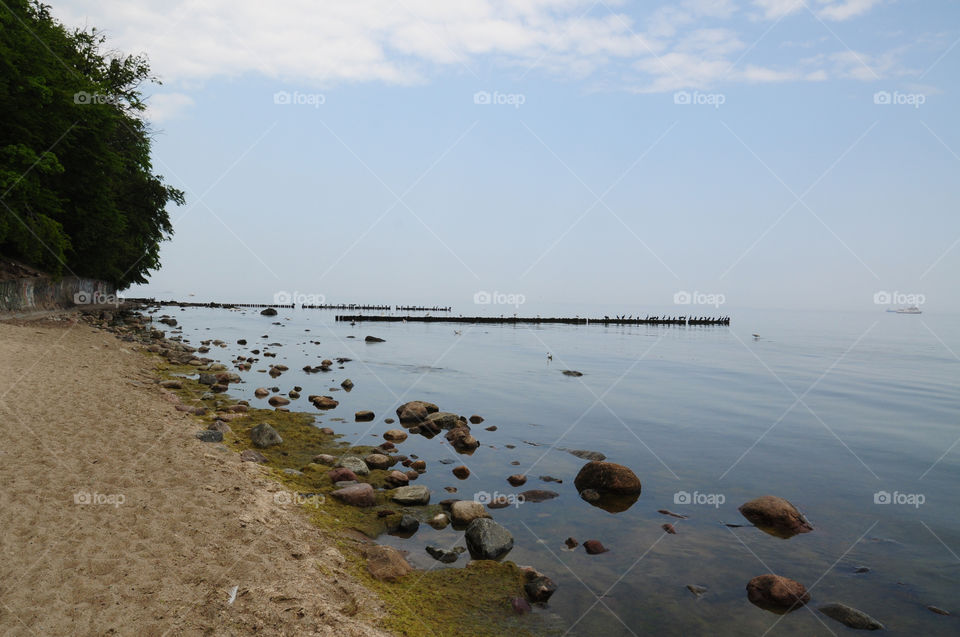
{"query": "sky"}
{"type": "Point", "coordinates": [697, 155]}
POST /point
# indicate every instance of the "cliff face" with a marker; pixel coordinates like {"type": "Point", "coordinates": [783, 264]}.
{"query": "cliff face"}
{"type": "Point", "coordinates": [43, 293]}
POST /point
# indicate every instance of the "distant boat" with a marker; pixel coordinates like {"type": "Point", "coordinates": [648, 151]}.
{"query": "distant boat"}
{"type": "Point", "coordinates": [913, 309]}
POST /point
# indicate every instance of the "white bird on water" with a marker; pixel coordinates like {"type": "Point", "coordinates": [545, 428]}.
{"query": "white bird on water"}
{"type": "Point", "coordinates": [458, 332]}
{"type": "Point", "coordinates": [756, 337]}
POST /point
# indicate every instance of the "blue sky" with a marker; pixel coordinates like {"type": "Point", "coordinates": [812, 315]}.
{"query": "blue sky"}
{"type": "Point", "coordinates": [776, 152]}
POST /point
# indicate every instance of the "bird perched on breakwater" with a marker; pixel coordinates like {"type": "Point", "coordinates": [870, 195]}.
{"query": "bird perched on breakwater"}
{"type": "Point", "coordinates": [549, 356]}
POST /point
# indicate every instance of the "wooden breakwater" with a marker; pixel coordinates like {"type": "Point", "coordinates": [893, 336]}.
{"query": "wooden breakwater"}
{"type": "Point", "coordinates": [539, 320]}
{"type": "Point", "coordinates": [356, 307]}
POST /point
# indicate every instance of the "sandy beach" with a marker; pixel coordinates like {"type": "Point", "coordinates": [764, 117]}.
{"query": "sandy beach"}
{"type": "Point", "coordinates": [118, 521]}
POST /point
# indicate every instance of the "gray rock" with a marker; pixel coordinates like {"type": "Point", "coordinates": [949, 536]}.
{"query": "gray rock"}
{"type": "Point", "coordinates": [411, 496]}
{"type": "Point", "coordinates": [463, 512]}
{"type": "Point", "coordinates": [355, 464]}
{"type": "Point", "coordinates": [487, 540]}
{"type": "Point", "coordinates": [850, 616]}
{"type": "Point", "coordinates": [263, 435]}
{"type": "Point", "coordinates": [443, 555]}
{"type": "Point", "coordinates": [587, 455]}
{"type": "Point", "coordinates": [210, 436]}
{"type": "Point", "coordinates": [293, 472]}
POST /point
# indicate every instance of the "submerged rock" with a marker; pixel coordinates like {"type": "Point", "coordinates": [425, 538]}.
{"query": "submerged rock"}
{"type": "Point", "coordinates": [696, 589]}
{"type": "Point", "coordinates": [487, 540]}
{"type": "Point", "coordinates": [775, 516]}
{"type": "Point", "coordinates": [374, 339]}
{"type": "Point", "coordinates": [444, 556]}
{"type": "Point", "coordinates": [585, 454]}
{"type": "Point", "coordinates": [538, 587]}
{"type": "Point", "coordinates": [461, 472]}
{"type": "Point", "coordinates": [776, 593]}
{"type": "Point", "coordinates": [607, 477]}
{"type": "Point", "coordinates": [850, 616]}
{"type": "Point", "coordinates": [572, 372]}
{"type": "Point", "coordinates": [538, 495]}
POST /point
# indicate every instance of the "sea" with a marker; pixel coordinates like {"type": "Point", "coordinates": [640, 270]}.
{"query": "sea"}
{"type": "Point", "coordinates": [854, 417]}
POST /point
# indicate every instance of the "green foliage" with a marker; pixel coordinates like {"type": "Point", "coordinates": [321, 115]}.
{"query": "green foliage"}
{"type": "Point", "coordinates": [77, 188]}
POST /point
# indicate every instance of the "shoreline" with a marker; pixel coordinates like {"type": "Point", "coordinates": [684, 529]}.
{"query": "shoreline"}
{"type": "Point", "coordinates": [330, 561]}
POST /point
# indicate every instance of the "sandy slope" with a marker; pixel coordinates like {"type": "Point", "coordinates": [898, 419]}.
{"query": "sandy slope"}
{"type": "Point", "coordinates": [78, 414]}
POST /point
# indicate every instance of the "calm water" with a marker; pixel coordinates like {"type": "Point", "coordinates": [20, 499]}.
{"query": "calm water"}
{"type": "Point", "coordinates": [824, 410]}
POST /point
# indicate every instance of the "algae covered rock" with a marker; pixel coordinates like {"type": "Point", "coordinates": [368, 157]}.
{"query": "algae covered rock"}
{"type": "Point", "coordinates": [263, 435]}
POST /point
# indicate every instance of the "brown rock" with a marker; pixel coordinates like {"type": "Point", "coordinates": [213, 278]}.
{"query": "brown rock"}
{"type": "Point", "coordinates": [775, 516]}
{"type": "Point", "coordinates": [607, 477]}
{"type": "Point", "coordinates": [261, 392]}
{"type": "Point", "coordinates": [395, 435]}
{"type": "Point", "coordinates": [278, 401]}
{"type": "Point", "coordinates": [364, 416]}
{"type": "Point", "coordinates": [475, 419]}
{"type": "Point", "coordinates": [250, 455]}
{"type": "Point", "coordinates": [387, 563]}
{"type": "Point", "coordinates": [777, 593]}
{"type": "Point", "coordinates": [379, 461]}
{"type": "Point", "coordinates": [341, 474]}
{"type": "Point", "coordinates": [358, 495]}
{"type": "Point", "coordinates": [461, 472]}
{"type": "Point", "coordinates": [517, 479]}
{"type": "Point", "coordinates": [594, 547]}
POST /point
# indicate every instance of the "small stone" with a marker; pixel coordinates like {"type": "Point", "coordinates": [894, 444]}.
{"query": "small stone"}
{"type": "Point", "coordinates": [419, 466]}
{"type": "Point", "coordinates": [517, 479]}
{"type": "Point", "coordinates": [463, 512]}
{"type": "Point", "coordinates": [696, 589]}
{"type": "Point", "coordinates": [347, 384]}
{"type": "Point", "coordinates": [538, 495]}
{"type": "Point", "coordinates": [850, 616]}
{"type": "Point", "coordinates": [278, 401]}
{"type": "Point", "coordinates": [594, 547]}
{"type": "Point", "coordinates": [379, 461]}
{"type": "Point", "coordinates": [538, 587]}
{"type": "Point", "coordinates": [938, 611]}
{"type": "Point", "coordinates": [411, 496]}
{"type": "Point", "coordinates": [325, 458]}
{"type": "Point", "coordinates": [461, 472]}
{"type": "Point", "coordinates": [397, 479]}
{"type": "Point", "coordinates": [777, 593]}
{"type": "Point", "coordinates": [374, 339]}
{"type": "Point", "coordinates": [571, 543]}
{"type": "Point", "coordinates": [669, 528]}
{"type": "Point", "coordinates": [209, 436]}
{"type": "Point", "coordinates": [359, 495]}
{"type": "Point", "coordinates": [395, 435]}
{"type": "Point", "coordinates": [475, 419]}
{"type": "Point", "coordinates": [441, 555]}
{"type": "Point", "coordinates": [341, 474]}
{"type": "Point", "coordinates": [249, 455]}
{"type": "Point", "coordinates": [572, 372]}
{"type": "Point", "coordinates": [261, 392]}
{"type": "Point", "coordinates": [439, 521]}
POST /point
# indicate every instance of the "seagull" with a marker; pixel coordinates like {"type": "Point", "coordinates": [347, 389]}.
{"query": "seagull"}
{"type": "Point", "coordinates": [549, 356]}
{"type": "Point", "coordinates": [458, 332]}
{"type": "Point", "coordinates": [756, 336]}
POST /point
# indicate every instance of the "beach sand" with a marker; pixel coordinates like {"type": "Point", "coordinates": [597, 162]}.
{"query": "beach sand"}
{"type": "Point", "coordinates": [80, 414]}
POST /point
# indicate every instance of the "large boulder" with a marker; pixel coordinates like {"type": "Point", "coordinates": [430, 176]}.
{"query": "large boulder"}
{"type": "Point", "coordinates": [775, 516]}
{"type": "Point", "coordinates": [776, 593]}
{"type": "Point", "coordinates": [411, 496]}
{"type": "Point", "coordinates": [263, 435]}
{"type": "Point", "coordinates": [607, 477]}
{"type": "Point", "coordinates": [487, 540]}
{"type": "Point", "coordinates": [387, 563]}
{"type": "Point", "coordinates": [358, 495]}
{"type": "Point", "coordinates": [415, 411]}
{"type": "Point", "coordinates": [269, 312]}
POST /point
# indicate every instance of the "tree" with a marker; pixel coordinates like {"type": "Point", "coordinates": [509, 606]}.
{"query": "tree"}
{"type": "Point", "coordinates": [77, 189]}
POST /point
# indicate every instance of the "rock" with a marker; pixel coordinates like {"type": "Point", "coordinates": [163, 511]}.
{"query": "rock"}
{"type": "Point", "coordinates": [850, 616]}
{"type": "Point", "coordinates": [607, 477]}
{"type": "Point", "coordinates": [590, 495]}
{"type": "Point", "coordinates": [218, 388]}
{"type": "Point", "coordinates": [411, 496]}
{"type": "Point", "coordinates": [249, 455]}
{"type": "Point", "coordinates": [220, 426]}
{"type": "Point", "coordinates": [397, 479]}
{"type": "Point", "coordinates": [571, 543]}
{"type": "Point", "coordinates": [572, 372]}
{"type": "Point", "coordinates": [463, 512]}
{"type": "Point", "coordinates": [358, 495]}
{"type": "Point", "coordinates": [475, 419]}
{"type": "Point", "coordinates": [862, 569]}
{"type": "Point", "coordinates": [293, 472]}
{"type": "Point", "coordinates": [776, 593]}
{"type": "Point", "coordinates": [395, 435]}
{"type": "Point", "coordinates": [517, 479]}
{"type": "Point", "coordinates": [327, 430]}
{"type": "Point", "coordinates": [207, 379]}
{"type": "Point", "coordinates": [415, 411]}
{"type": "Point", "coordinates": [407, 526]}
{"type": "Point", "coordinates": [324, 402]}
{"type": "Point", "coordinates": [261, 392]}
{"type": "Point", "coordinates": [419, 466]}
{"type": "Point", "coordinates": [379, 461]}
{"type": "Point", "coordinates": [269, 312]}
{"type": "Point", "coordinates": [209, 436]}
{"type": "Point", "coordinates": [293, 394]}
{"type": "Point", "coordinates": [490, 428]}
{"type": "Point", "coordinates": [461, 472]}
{"type": "Point", "coordinates": [551, 479]}
{"type": "Point", "coordinates": [442, 420]}
{"type": "Point", "coordinates": [364, 416]}
{"type": "Point", "coordinates": [341, 474]}
{"type": "Point", "coordinates": [499, 502]}
{"type": "Point", "coordinates": [386, 563]}
{"type": "Point", "coordinates": [538, 495]}
{"type": "Point", "coordinates": [439, 521]}
{"type": "Point", "coordinates": [412, 475]}
{"type": "Point", "coordinates": [241, 341]}
{"type": "Point", "coordinates": [594, 547]}
{"type": "Point", "coordinates": [487, 540]}
{"type": "Point", "coordinates": [355, 464]}
{"type": "Point", "coordinates": [938, 611]}
{"type": "Point", "coordinates": [520, 605]}
{"type": "Point", "coordinates": [325, 458]}
{"type": "Point", "coordinates": [538, 587]}
{"type": "Point", "coordinates": [696, 590]}
{"type": "Point", "coordinates": [347, 384]}
{"type": "Point", "coordinates": [775, 516]}
{"type": "Point", "coordinates": [669, 528]}
{"type": "Point", "coordinates": [171, 384]}
{"type": "Point", "coordinates": [374, 339]}
{"type": "Point", "coordinates": [587, 455]}
{"type": "Point", "coordinates": [444, 556]}
{"type": "Point", "coordinates": [263, 435]}
{"type": "Point", "coordinates": [278, 401]}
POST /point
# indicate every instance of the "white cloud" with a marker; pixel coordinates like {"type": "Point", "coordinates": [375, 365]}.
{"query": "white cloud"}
{"type": "Point", "coordinates": [162, 107]}
{"type": "Point", "coordinates": [846, 9]}
{"type": "Point", "coordinates": [837, 10]}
